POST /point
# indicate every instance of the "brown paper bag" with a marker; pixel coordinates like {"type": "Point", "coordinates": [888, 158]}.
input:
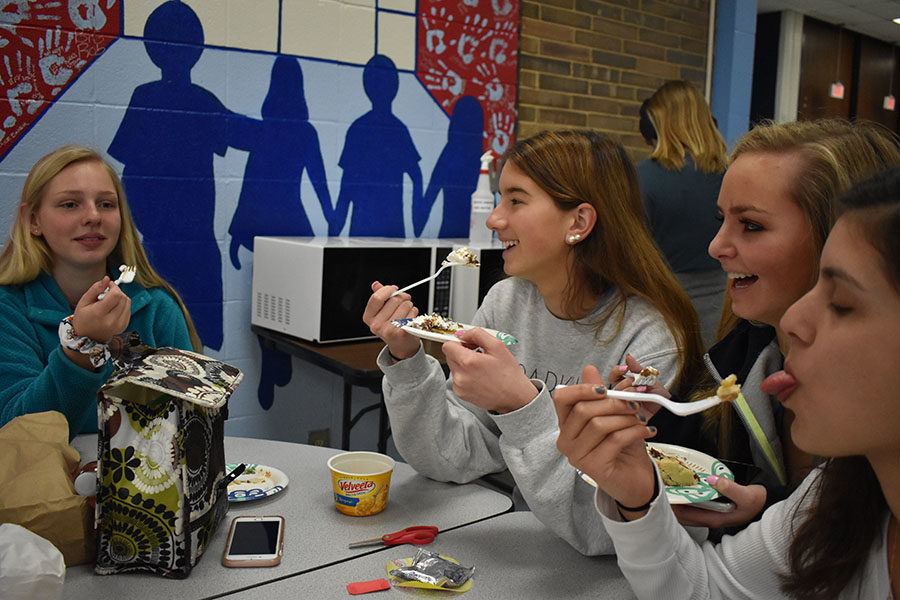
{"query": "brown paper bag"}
{"type": "Point", "coordinates": [36, 476]}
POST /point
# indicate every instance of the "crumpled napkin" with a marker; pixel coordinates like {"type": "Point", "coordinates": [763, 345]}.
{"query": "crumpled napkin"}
{"type": "Point", "coordinates": [30, 566]}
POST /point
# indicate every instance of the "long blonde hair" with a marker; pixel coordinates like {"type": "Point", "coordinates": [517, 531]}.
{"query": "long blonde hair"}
{"type": "Point", "coordinates": [835, 155]}
{"type": "Point", "coordinates": [585, 166]}
{"type": "Point", "coordinates": [684, 124]}
{"type": "Point", "coordinates": [25, 256]}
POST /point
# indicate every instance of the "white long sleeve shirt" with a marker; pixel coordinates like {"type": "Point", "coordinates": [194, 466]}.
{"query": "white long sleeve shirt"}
{"type": "Point", "coordinates": [661, 560]}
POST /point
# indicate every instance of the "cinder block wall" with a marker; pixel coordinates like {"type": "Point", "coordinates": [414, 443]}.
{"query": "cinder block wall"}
{"type": "Point", "coordinates": [590, 63]}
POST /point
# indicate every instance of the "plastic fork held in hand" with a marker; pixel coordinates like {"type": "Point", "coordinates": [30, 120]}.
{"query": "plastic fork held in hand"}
{"type": "Point", "coordinates": [421, 281]}
{"type": "Point", "coordinates": [418, 535]}
{"type": "Point", "coordinates": [682, 409]}
{"type": "Point", "coordinates": [126, 275]}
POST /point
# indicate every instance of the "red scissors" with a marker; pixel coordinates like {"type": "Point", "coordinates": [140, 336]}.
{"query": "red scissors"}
{"type": "Point", "coordinates": [418, 535]}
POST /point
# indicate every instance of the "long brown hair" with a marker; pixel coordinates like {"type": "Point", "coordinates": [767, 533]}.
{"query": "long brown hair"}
{"type": "Point", "coordinates": [684, 124]}
{"type": "Point", "coordinates": [835, 535]}
{"type": "Point", "coordinates": [835, 154]}
{"type": "Point", "coordinates": [584, 166]}
{"type": "Point", "coordinates": [25, 256]}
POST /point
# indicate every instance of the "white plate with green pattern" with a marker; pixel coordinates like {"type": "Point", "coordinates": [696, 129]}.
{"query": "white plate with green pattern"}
{"type": "Point", "coordinates": [257, 481]}
{"type": "Point", "coordinates": [406, 325]}
{"type": "Point", "coordinates": [704, 465]}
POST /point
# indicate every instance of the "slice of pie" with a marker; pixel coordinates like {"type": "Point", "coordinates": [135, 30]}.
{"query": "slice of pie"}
{"type": "Point", "coordinates": [435, 323]}
{"type": "Point", "coordinates": [672, 469]}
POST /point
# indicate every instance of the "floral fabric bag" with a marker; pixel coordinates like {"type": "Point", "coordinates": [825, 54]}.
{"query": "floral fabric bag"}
{"type": "Point", "coordinates": [161, 458]}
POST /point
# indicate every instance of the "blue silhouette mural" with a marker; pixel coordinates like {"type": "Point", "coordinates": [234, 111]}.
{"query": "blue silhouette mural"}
{"type": "Point", "coordinates": [284, 146]}
{"type": "Point", "coordinates": [456, 171]}
{"type": "Point", "coordinates": [67, 73]}
{"type": "Point", "coordinates": [166, 142]}
{"type": "Point", "coordinates": [378, 152]}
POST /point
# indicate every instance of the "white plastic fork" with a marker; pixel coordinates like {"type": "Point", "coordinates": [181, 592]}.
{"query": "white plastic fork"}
{"type": "Point", "coordinates": [682, 409]}
{"type": "Point", "coordinates": [126, 275]}
{"type": "Point", "coordinates": [430, 277]}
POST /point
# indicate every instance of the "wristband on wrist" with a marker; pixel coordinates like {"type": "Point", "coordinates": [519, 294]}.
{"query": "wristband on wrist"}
{"type": "Point", "coordinates": [646, 506]}
{"type": "Point", "coordinates": [394, 357]}
{"type": "Point", "coordinates": [97, 353]}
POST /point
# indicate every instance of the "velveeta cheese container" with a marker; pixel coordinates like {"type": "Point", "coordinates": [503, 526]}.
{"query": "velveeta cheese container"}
{"type": "Point", "coordinates": [361, 481]}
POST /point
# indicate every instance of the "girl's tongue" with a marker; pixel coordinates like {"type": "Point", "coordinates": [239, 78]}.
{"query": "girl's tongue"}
{"type": "Point", "coordinates": [779, 384]}
{"type": "Point", "coordinates": [744, 282]}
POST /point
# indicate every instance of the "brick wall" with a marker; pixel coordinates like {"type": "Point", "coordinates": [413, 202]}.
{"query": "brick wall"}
{"type": "Point", "coordinates": [590, 63]}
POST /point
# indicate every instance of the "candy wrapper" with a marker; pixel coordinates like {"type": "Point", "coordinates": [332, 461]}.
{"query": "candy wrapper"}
{"type": "Point", "coordinates": [430, 570]}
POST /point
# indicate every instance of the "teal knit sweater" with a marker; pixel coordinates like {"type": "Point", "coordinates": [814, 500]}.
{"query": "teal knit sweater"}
{"type": "Point", "coordinates": [36, 375]}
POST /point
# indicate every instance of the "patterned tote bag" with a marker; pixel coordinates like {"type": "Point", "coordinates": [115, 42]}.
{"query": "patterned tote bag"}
{"type": "Point", "coordinates": [161, 458]}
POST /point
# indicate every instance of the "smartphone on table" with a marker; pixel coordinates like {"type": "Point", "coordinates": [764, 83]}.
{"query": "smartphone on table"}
{"type": "Point", "coordinates": [254, 541]}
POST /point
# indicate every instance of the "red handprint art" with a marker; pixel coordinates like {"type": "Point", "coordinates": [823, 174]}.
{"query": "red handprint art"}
{"type": "Point", "coordinates": [470, 48]}
{"type": "Point", "coordinates": [44, 46]}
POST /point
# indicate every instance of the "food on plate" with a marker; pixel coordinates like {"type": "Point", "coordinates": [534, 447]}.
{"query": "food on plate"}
{"type": "Point", "coordinates": [462, 256]}
{"type": "Point", "coordinates": [435, 323]}
{"type": "Point", "coordinates": [729, 389]}
{"type": "Point", "coordinates": [672, 469]}
{"type": "Point", "coordinates": [254, 475]}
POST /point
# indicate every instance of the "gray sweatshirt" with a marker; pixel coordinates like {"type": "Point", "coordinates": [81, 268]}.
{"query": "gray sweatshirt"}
{"type": "Point", "coordinates": [448, 439]}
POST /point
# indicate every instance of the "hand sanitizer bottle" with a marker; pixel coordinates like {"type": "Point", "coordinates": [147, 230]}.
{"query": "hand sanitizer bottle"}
{"type": "Point", "coordinates": [482, 204]}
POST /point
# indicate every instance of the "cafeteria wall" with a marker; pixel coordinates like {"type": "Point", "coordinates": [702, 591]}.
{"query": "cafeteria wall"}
{"type": "Point", "coordinates": [587, 63]}
{"type": "Point", "coordinates": [214, 91]}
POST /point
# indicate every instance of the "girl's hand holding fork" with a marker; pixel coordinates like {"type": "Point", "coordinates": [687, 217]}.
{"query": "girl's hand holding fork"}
{"type": "Point", "coordinates": [381, 309]}
{"type": "Point", "coordinates": [101, 319]}
{"type": "Point", "coordinates": [605, 438]}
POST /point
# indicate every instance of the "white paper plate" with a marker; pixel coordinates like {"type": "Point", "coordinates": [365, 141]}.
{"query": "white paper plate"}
{"type": "Point", "coordinates": [257, 481]}
{"type": "Point", "coordinates": [446, 337]}
{"type": "Point", "coordinates": [703, 464]}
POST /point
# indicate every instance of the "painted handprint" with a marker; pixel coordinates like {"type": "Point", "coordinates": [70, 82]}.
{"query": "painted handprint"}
{"type": "Point", "coordinates": [14, 12]}
{"type": "Point", "coordinates": [500, 42]}
{"type": "Point", "coordinates": [488, 80]}
{"type": "Point", "coordinates": [56, 63]}
{"type": "Point", "coordinates": [16, 74]}
{"type": "Point", "coordinates": [473, 33]}
{"type": "Point", "coordinates": [87, 14]}
{"type": "Point", "coordinates": [19, 76]}
{"type": "Point", "coordinates": [434, 33]}
{"type": "Point", "coordinates": [502, 7]}
{"type": "Point", "coordinates": [444, 79]}
{"type": "Point", "coordinates": [502, 125]}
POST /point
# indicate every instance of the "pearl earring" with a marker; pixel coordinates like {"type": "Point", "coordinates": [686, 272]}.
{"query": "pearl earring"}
{"type": "Point", "coordinates": [574, 238]}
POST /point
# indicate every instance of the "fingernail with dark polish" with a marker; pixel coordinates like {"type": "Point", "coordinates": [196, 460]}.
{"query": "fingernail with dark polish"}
{"type": "Point", "coordinates": [600, 389]}
{"type": "Point", "coordinates": [641, 418]}
{"type": "Point", "coordinates": [651, 429]}
{"type": "Point", "coordinates": [632, 405]}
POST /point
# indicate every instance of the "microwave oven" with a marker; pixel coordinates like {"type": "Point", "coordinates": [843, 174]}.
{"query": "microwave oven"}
{"type": "Point", "coordinates": [316, 289]}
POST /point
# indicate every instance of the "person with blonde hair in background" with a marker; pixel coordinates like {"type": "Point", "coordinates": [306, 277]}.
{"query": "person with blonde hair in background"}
{"type": "Point", "coordinates": [836, 536]}
{"type": "Point", "coordinates": [72, 231]}
{"type": "Point", "coordinates": [777, 204]}
{"type": "Point", "coordinates": [679, 186]}
{"type": "Point", "coordinates": [587, 285]}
